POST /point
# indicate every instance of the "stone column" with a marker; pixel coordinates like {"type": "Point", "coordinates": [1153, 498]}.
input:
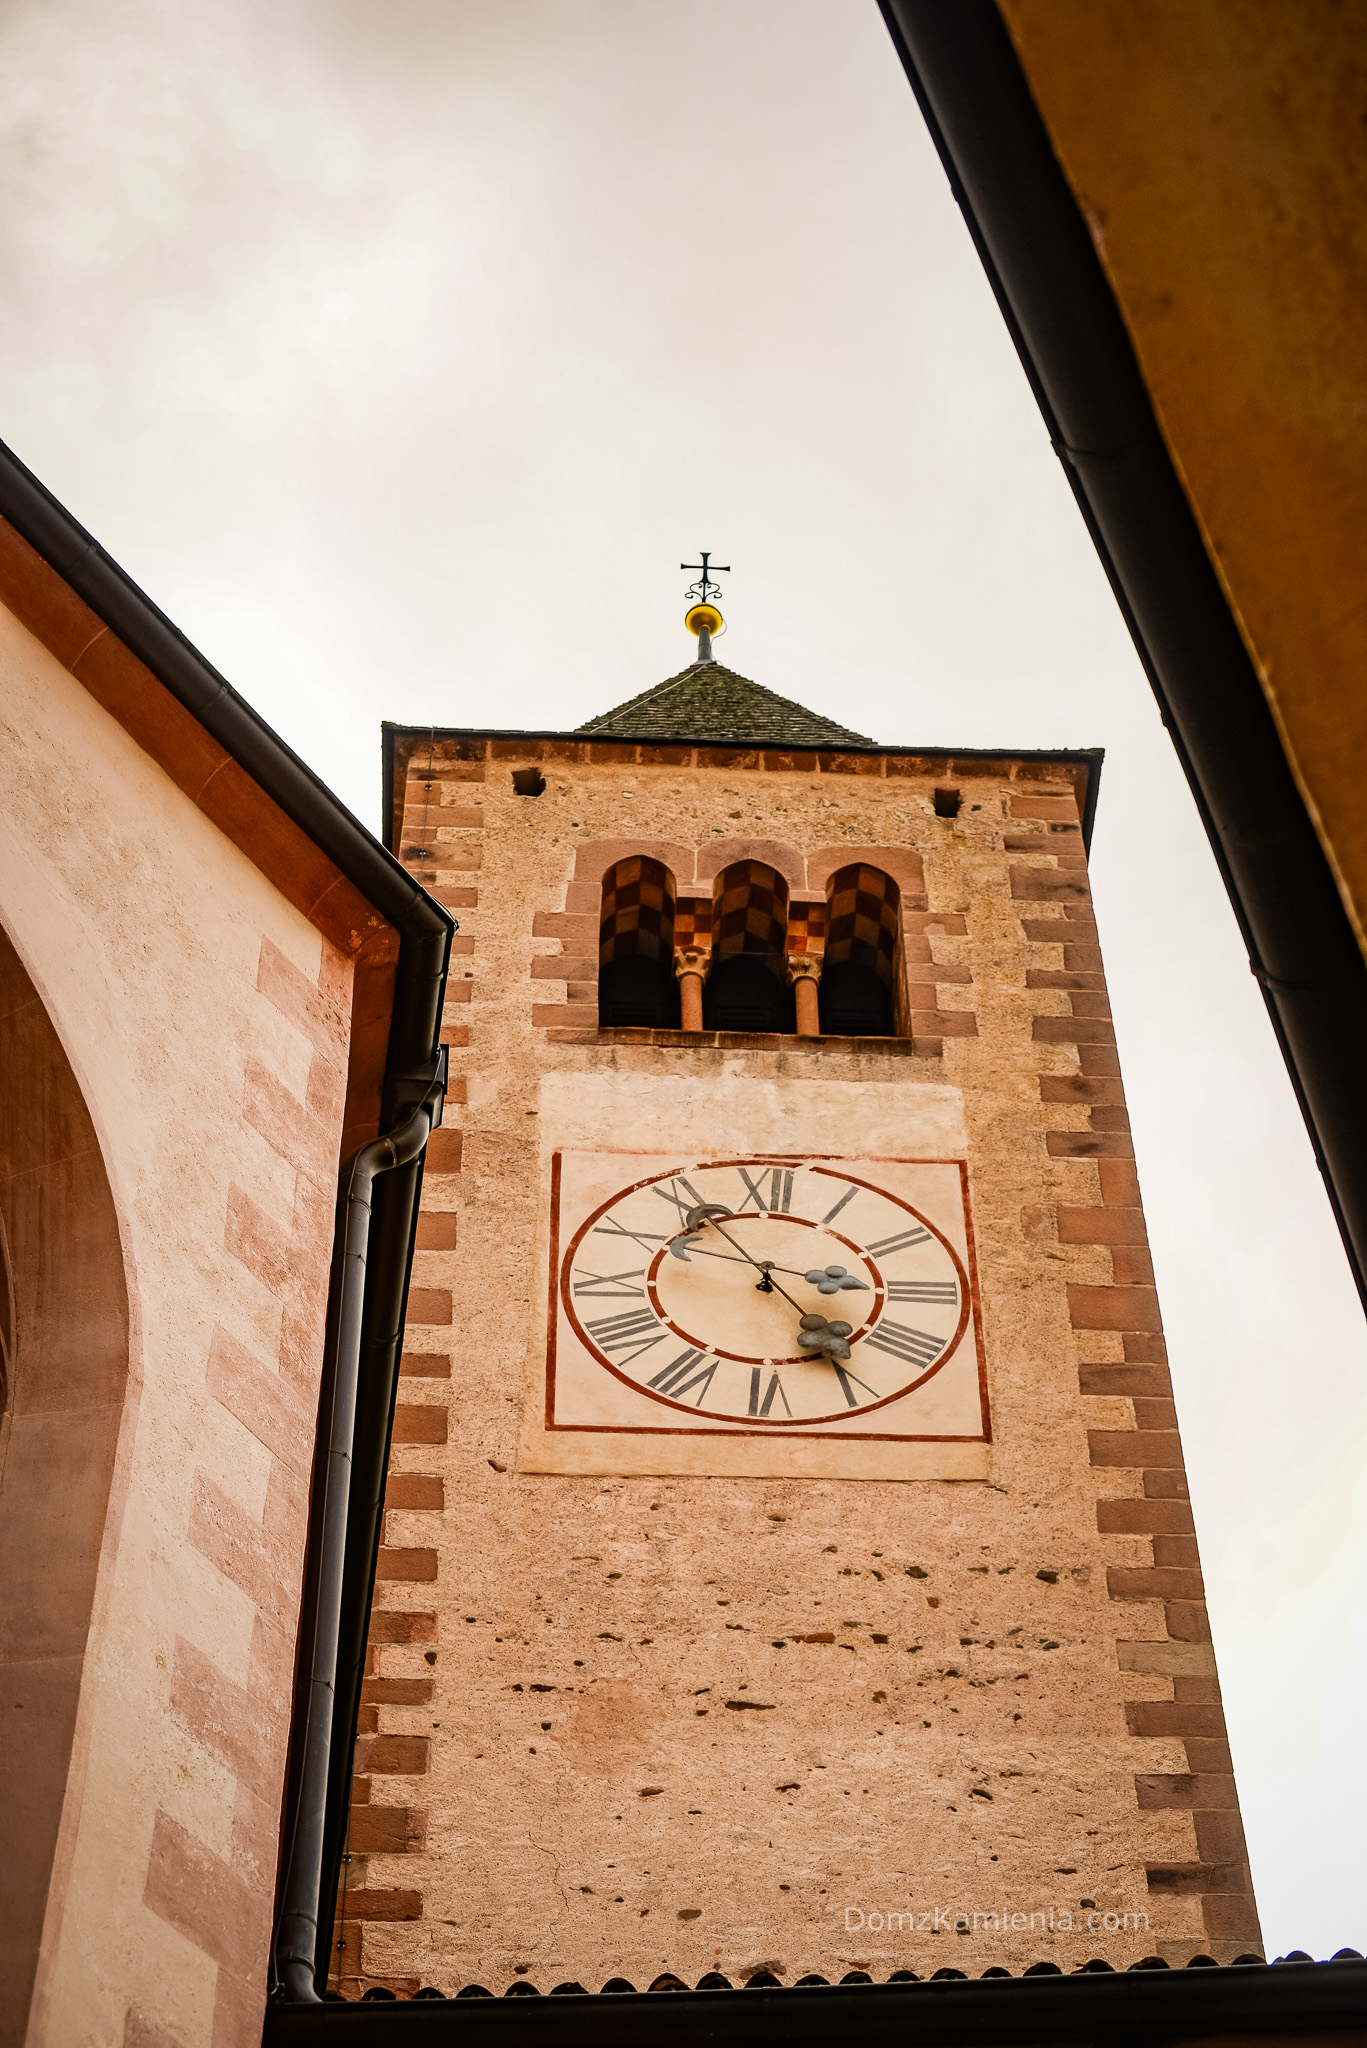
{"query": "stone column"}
{"type": "Point", "coordinates": [691, 966]}
{"type": "Point", "coordinates": [804, 972]}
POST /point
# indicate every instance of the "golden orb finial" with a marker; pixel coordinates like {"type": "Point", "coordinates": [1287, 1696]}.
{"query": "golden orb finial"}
{"type": "Point", "coordinates": [704, 618]}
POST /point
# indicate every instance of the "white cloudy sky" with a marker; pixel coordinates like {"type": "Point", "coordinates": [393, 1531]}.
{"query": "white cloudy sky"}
{"type": "Point", "coordinates": [402, 348]}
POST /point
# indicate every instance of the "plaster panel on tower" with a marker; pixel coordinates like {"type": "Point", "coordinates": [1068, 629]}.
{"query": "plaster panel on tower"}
{"type": "Point", "coordinates": [660, 1351]}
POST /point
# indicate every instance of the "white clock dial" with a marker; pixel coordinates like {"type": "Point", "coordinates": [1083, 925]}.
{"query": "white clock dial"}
{"type": "Point", "coordinates": [765, 1292]}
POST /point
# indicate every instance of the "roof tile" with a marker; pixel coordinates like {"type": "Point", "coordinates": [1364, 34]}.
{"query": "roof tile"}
{"type": "Point", "coordinates": [709, 702]}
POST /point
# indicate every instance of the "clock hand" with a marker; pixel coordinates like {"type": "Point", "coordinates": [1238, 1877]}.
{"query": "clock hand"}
{"type": "Point", "coordinates": [708, 1212]}
{"type": "Point", "coordinates": [831, 1279]}
{"type": "Point", "coordinates": [826, 1279]}
{"type": "Point", "coordinates": [760, 1266]}
{"type": "Point", "coordinates": [816, 1334]}
{"type": "Point", "coordinates": [694, 1219]}
{"type": "Point", "coordinates": [697, 1251]}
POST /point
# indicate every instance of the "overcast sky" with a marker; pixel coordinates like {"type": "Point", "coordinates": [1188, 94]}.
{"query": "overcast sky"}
{"type": "Point", "coordinates": [401, 349]}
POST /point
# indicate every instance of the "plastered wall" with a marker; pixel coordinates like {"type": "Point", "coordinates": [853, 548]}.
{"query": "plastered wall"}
{"type": "Point", "coordinates": [205, 1023]}
{"type": "Point", "coordinates": [624, 1726]}
{"type": "Point", "coordinates": [1216, 156]}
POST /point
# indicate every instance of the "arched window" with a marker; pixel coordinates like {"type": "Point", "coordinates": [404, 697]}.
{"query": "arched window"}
{"type": "Point", "coordinates": [636, 982]}
{"type": "Point", "coordinates": [747, 987]}
{"type": "Point", "coordinates": [863, 921]}
{"type": "Point", "coordinates": [66, 1334]}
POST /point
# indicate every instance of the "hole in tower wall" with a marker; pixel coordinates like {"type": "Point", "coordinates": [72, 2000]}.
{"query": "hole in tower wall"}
{"type": "Point", "coordinates": [947, 803]}
{"type": "Point", "coordinates": [528, 781]}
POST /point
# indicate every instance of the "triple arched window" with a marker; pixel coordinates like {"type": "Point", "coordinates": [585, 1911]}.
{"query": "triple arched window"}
{"type": "Point", "coordinates": [738, 953]}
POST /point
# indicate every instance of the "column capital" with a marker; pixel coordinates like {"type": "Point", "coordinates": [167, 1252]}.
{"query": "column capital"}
{"type": "Point", "coordinates": [804, 967]}
{"type": "Point", "coordinates": [692, 960]}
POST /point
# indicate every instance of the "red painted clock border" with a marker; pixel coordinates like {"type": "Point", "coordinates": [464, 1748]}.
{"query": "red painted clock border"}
{"type": "Point", "coordinates": [970, 1314]}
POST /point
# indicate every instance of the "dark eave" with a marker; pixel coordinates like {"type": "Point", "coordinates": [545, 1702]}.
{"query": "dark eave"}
{"type": "Point", "coordinates": [1136, 2007]}
{"type": "Point", "coordinates": [1076, 350]}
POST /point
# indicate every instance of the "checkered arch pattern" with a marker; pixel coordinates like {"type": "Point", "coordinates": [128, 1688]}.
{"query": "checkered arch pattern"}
{"type": "Point", "coordinates": [693, 923]}
{"type": "Point", "coordinates": [806, 928]}
{"type": "Point", "coordinates": [749, 911]}
{"type": "Point", "coordinates": [638, 911]}
{"type": "Point", "coordinates": [864, 914]}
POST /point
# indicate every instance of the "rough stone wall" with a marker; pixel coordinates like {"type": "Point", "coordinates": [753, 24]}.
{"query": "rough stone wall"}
{"type": "Point", "coordinates": [559, 1777]}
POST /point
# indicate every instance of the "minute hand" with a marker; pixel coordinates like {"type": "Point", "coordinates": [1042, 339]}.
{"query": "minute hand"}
{"type": "Point", "coordinates": [767, 1271]}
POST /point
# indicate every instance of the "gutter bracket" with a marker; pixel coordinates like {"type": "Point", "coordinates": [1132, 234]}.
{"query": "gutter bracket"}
{"type": "Point", "coordinates": [422, 1087]}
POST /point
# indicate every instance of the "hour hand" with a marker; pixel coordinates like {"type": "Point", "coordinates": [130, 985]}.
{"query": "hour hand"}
{"type": "Point", "coordinates": [694, 1219]}
{"type": "Point", "coordinates": [830, 1279]}
{"type": "Point", "coordinates": [816, 1334]}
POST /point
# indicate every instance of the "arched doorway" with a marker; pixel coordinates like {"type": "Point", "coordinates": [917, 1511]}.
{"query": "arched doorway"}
{"type": "Point", "coordinates": [66, 1373]}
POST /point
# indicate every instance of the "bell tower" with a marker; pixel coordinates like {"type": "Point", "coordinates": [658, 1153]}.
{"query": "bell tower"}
{"type": "Point", "coordinates": [788, 1562]}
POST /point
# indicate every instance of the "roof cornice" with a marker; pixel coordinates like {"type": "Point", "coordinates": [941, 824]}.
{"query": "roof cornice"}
{"type": "Point", "coordinates": [510, 742]}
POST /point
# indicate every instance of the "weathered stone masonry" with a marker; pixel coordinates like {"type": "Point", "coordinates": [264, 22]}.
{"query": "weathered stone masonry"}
{"type": "Point", "coordinates": [974, 1694]}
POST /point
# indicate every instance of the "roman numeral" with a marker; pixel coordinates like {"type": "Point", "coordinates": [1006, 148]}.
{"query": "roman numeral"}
{"type": "Point", "coordinates": [886, 1246]}
{"type": "Point", "coordinates": [923, 1290]}
{"type": "Point", "coordinates": [831, 1214]}
{"type": "Point", "coordinates": [610, 1227]}
{"type": "Point", "coordinates": [775, 1387]}
{"type": "Point", "coordinates": [779, 1198]}
{"type": "Point", "coordinates": [674, 1380]}
{"type": "Point", "coordinates": [609, 1286]}
{"type": "Point", "coordinates": [634, 1327]}
{"type": "Point", "coordinates": [913, 1347]}
{"type": "Point", "coordinates": [672, 1195]}
{"type": "Point", "coordinates": [848, 1382]}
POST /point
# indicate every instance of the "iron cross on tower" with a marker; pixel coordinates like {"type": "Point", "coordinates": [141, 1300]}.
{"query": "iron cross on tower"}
{"type": "Point", "coordinates": [701, 591]}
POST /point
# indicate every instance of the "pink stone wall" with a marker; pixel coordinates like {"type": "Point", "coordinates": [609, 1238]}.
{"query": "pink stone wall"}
{"type": "Point", "coordinates": [206, 1024]}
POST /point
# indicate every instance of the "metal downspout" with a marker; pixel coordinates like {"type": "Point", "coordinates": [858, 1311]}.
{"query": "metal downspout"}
{"type": "Point", "coordinates": [298, 1945]}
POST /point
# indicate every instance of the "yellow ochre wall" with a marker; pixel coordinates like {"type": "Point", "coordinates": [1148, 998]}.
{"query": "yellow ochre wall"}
{"type": "Point", "coordinates": [1219, 154]}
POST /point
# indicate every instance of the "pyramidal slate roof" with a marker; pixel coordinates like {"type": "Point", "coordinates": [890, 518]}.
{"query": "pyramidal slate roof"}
{"type": "Point", "coordinates": [709, 702]}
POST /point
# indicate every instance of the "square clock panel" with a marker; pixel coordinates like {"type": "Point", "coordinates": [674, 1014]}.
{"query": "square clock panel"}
{"type": "Point", "coordinates": [764, 1315]}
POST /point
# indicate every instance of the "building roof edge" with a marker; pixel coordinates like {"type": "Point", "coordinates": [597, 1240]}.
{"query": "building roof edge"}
{"type": "Point", "coordinates": [1090, 758]}
{"type": "Point", "coordinates": [96, 578]}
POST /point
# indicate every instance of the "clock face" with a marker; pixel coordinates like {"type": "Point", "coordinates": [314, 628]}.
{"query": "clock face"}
{"type": "Point", "coordinates": [774, 1294]}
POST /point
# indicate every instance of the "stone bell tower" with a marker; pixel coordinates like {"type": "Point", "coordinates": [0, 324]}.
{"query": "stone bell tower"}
{"type": "Point", "coordinates": [781, 1298]}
